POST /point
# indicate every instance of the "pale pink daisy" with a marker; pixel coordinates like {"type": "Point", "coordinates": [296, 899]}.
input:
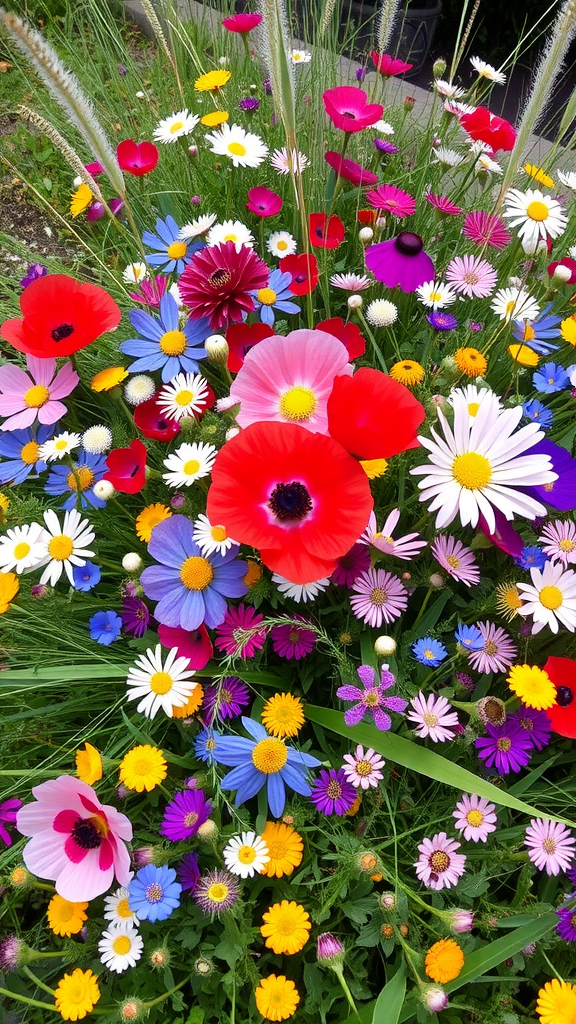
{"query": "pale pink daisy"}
{"type": "Point", "coordinates": [287, 163]}
{"type": "Point", "coordinates": [434, 717]}
{"type": "Point", "coordinates": [25, 396]}
{"type": "Point", "coordinates": [550, 845]}
{"type": "Point", "coordinates": [379, 597]}
{"type": "Point", "coordinates": [439, 866]}
{"type": "Point", "coordinates": [560, 538]}
{"type": "Point", "coordinates": [351, 282]}
{"type": "Point", "coordinates": [452, 106]}
{"type": "Point", "coordinates": [406, 547]}
{"type": "Point", "coordinates": [474, 817]}
{"type": "Point", "coordinates": [551, 597]}
{"type": "Point", "coordinates": [471, 276]}
{"type": "Point", "coordinates": [362, 768]}
{"type": "Point", "coordinates": [498, 652]}
{"type": "Point", "coordinates": [456, 559]}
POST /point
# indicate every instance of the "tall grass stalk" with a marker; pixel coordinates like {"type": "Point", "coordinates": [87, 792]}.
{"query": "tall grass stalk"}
{"type": "Point", "coordinates": [163, 42]}
{"type": "Point", "coordinates": [69, 154]}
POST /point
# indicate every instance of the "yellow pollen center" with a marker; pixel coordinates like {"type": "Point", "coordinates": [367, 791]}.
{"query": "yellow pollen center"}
{"type": "Point", "coordinates": [218, 892]}
{"type": "Point", "coordinates": [267, 296]}
{"type": "Point", "coordinates": [430, 719]}
{"type": "Point", "coordinates": [183, 398]}
{"type": "Point", "coordinates": [372, 698]}
{"type": "Point", "coordinates": [161, 682]}
{"type": "Point", "coordinates": [177, 250]}
{"type": "Point", "coordinates": [246, 854]}
{"type": "Point", "coordinates": [60, 548]}
{"type": "Point", "coordinates": [549, 845]}
{"type": "Point", "coordinates": [537, 210]}
{"type": "Point", "coordinates": [60, 445]}
{"type": "Point", "coordinates": [230, 238]}
{"type": "Point", "coordinates": [281, 245]}
{"type": "Point", "coordinates": [429, 655]}
{"type": "Point", "coordinates": [453, 561]}
{"type": "Point", "coordinates": [21, 550]}
{"type": "Point", "coordinates": [269, 756]}
{"type": "Point", "coordinates": [173, 343]}
{"type": "Point", "coordinates": [298, 404]}
{"type": "Point", "coordinates": [196, 573]}
{"type": "Point", "coordinates": [123, 908]}
{"type": "Point", "coordinates": [121, 945]}
{"type": "Point", "coordinates": [218, 533]}
{"type": "Point", "coordinates": [566, 545]}
{"type": "Point", "coordinates": [435, 296]}
{"type": "Point", "coordinates": [363, 768]}
{"type": "Point", "coordinates": [439, 861]}
{"type": "Point", "coordinates": [237, 149]}
{"type": "Point", "coordinates": [378, 596]}
{"type": "Point", "coordinates": [191, 467]}
{"type": "Point", "coordinates": [473, 408]}
{"type": "Point", "coordinates": [472, 471]}
{"type": "Point", "coordinates": [29, 453]}
{"type": "Point", "coordinates": [504, 743]}
{"type": "Point", "coordinates": [474, 818]}
{"type": "Point", "coordinates": [85, 478]}
{"type": "Point", "coordinates": [36, 396]}
{"type": "Point", "coordinates": [551, 597]}
{"type": "Point", "coordinates": [176, 127]}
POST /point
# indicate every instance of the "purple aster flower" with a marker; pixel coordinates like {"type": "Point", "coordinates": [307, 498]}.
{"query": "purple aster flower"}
{"type": "Point", "coordinates": [332, 793]}
{"type": "Point", "coordinates": [249, 104]}
{"type": "Point", "coordinates": [536, 725]}
{"type": "Point", "coordinates": [371, 698]}
{"type": "Point", "coordinates": [442, 321]}
{"type": "Point", "coordinates": [360, 74]}
{"type": "Point", "coordinates": [8, 809]}
{"type": "Point", "coordinates": [188, 871]}
{"type": "Point", "coordinates": [400, 262]}
{"type": "Point", "coordinates": [507, 746]}
{"type": "Point", "coordinates": [350, 565]}
{"type": "Point", "coordinates": [35, 271]}
{"type": "Point", "coordinates": [184, 815]}
{"type": "Point", "coordinates": [293, 641]}
{"type": "Point", "coordinates": [561, 494]}
{"type": "Point", "coordinates": [135, 616]}
{"type": "Point", "coordinates": [385, 147]}
{"type": "Point", "coordinates": [566, 926]}
{"type": "Point", "coordinates": [226, 699]}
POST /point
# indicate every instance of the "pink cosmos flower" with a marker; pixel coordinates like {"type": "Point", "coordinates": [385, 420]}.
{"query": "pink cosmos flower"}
{"type": "Point", "coordinates": [550, 845]}
{"type": "Point", "coordinates": [486, 229]}
{"type": "Point", "coordinates": [443, 204]}
{"type": "Point", "coordinates": [76, 841]}
{"type": "Point", "coordinates": [362, 768]}
{"type": "Point", "coordinates": [498, 652]}
{"type": "Point", "coordinates": [151, 291]}
{"type": "Point", "coordinates": [392, 200]}
{"type": "Point", "coordinates": [293, 641]}
{"type": "Point", "coordinates": [350, 566]}
{"type": "Point", "coordinates": [25, 396]}
{"type": "Point", "coordinates": [239, 633]}
{"type": "Point", "coordinates": [348, 108]}
{"type": "Point", "coordinates": [434, 717]}
{"type": "Point", "coordinates": [406, 547]}
{"type": "Point", "coordinates": [474, 817]}
{"type": "Point", "coordinates": [471, 276]}
{"type": "Point", "coordinates": [379, 597]}
{"type": "Point", "coordinates": [560, 540]}
{"type": "Point", "coordinates": [263, 202]}
{"type": "Point", "coordinates": [439, 866]}
{"type": "Point", "coordinates": [289, 380]}
{"type": "Point", "coordinates": [456, 559]}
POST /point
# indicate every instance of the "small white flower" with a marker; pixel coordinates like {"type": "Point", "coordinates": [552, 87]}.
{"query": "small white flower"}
{"type": "Point", "coordinates": [381, 313]}
{"type": "Point", "coordinates": [300, 56]}
{"type": "Point", "coordinates": [139, 389]}
{"type": "Point", "coordinates": [453, 92]}
{"type": "Point", "coordinates": [485, 163]}
{"type": "Point", "coordinates": [59, 446]}
{"type": "Point", "coordinates": [281, 243]}
{"type": "Point", "coordinates": [300, 592]}
{"type": "Point", "coordinates": [190, 462]}
{"type": "Point", "coordinates": [97, 439]}
{"type": "Point", "coordinates": [172, 128]}
{"type": "Point", "coordinates": [198, 226]}
{"type": "Point", "coordinates": [120, 947]}
{"type": "Point", "coordinates": [449, 157]}
{"type": "Point", "coordinates": [456, 108]}
{"type": "Point", "coordinates": [515, 304]}
{"type": "Point", "coordinates": [285, 162]}
{"type": "Point", "coordinates": [568, 179]}
{"type": "Point", "coordinates": [117, 908]}
{"type": "Point", "coordinates": [436, 294]}
{"type": "Point", "coordinates": [230, 231]}
{"type": "Point", "coordinates": [65, 546]}
{"type": "Point", "coordinates": [537, 216]}
{"type": "Point", "coordinates": [211, 538]}
{"type": "Point", "coordinates": [551, 598]}
{"type": "Point", "coordinates": [134, 273]}
{"type": "Point", "coordinates": [246, 855]}
{"type": "Point", "coordinates": [185, 395]}
{"type": "Point", "coordinates": [383, 127]}
{"type": "Point", "coordinates": [243, 148]}
{"type": "Point", "coordinates": [487, 71]}
{"type": "Point", "coordinates": [161, 685]}
{"type": "Point", "coordinates": [22, 548]}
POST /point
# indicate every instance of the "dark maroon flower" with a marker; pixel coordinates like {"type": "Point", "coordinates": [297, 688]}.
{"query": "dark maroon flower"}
{"type": "Point", "coordinates": [217, 283]}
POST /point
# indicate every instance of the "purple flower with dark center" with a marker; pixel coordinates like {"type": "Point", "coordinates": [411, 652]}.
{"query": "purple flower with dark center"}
{"type": "Point", "coordinates": [184, 815]}
{"type": "Point", "coordinates": [332, 793]}
{"type": "Point", "coordinates": [293, 641]}
{"type": "Point", "coordinates": [371, 698]}
{"type": "Point", "coordinates": [442, 321]}
{"type": "Point", "coordinates": [188, 871]}
{"type": "Point", "coordinates": [350, 565]}
{"type": "Point", "coordinates": [8, 809]}
{"type": "Point", "coordinates": [35, 271]}
{"type": "Point", "coordinates": [135, 616]}
{"type": "Point", "coordinates": [400, 262]}
{"type": "Point", "coordinates": [536, 725]}
{"type": "Point", "coordinates": [249, 104]}
{"type": "Point", "coordinates": [507, 747]}
{"type": "Point", "coordinates": [385, 147]}
{"type": "Point", "coordinates": [226, 699]}
{"type": "Point", "coordinates": [566, 926]}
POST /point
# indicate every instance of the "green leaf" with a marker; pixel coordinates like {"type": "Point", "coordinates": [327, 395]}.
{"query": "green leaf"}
{"type": "Point", "coordinates": [391, 999]}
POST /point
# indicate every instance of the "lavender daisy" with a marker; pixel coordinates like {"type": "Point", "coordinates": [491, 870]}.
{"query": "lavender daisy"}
{"type": "Point", "coordinates": [456, 559]}
{"type": "Point", "coordinates": [226, 698]}
{"type": "Point", "coordinates": [332, 793]}
{"type": "Point", "coordinates": [550, 845]}
{"type": "Point", "coordinates": [536, 725]}
{"type": "Point", "coordinates": [507, 747]}
{"type": "Point", "coordinates": [372, 698]}
{"type": "Point", "coordinates": [188, 871]}
{"type": "Point", "coordinates": [362, 768]}
{"type": "Point", "coordinates": [560, 540]}
{"type": "Point", "coordinates": [439, 866]}
{"type": "Point", "coordinates": [216, 892]}
{"type": "Point", "coordinates": [498, 652]}
{"type": "Point", "coordinates": [379, 597]}
{"type": "Point", "coordinates": [184, 815]}
{"type": "Point", "coordinates": [434, 717]}
{"type": "Point", "coordinates": [566, 926]}
{"type": "Point", "coordinates": [292, 641]}
{"type": "Point", "coordinates": [474, 817]}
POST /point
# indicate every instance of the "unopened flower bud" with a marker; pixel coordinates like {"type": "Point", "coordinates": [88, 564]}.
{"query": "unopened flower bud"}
{"type": "Point", "coordinates": [104, 490]}
{"type": "Point", "coordinates": [12, 953]}
{"type": "Point", "coordinates": [195, 200]}
{"type": "Point", "coordinates": [387, 931]}
{"type": "Point", "coordinates": [143, 856]}
{"type": "Point", "coordinates": [561, 274]}
{"type": "Point", "coordinates": [355, 302]}
{"type": "Point", "coordinates": [491, 710]}
{"type": "Point", "coordinates": [203, 966]}
{"type": "Point", "coordinates": [365, 235]}
{"type": "Point", "coordinates": [368, 862]}
{"type": "Point", "coordinates": [329, 949]}
{"type": "Point", "coordinates": [132, 562]}
{"type": "Point", "coordinates": [38, 590]}
{"type": "Point", "coordinates": [449, 368]}
{"type": "Point", "coordinates": [122, 791]}
{"type": "Point", "coordinates": [403, 929]}
{"type": "Point", "coordinates": [380, 222]}
{"type": "Point", "coordinates": [217, 349]}
{"type": "Point", "coordinates": [232, 432]}
{"type": "Point", "coordinates": [140, 95]}
{"type": "Point", "coordinates": [132, 1009]}
{"type": "Point", "coordinates": [193, 150]}
{"type": "Point", "coordinates": [385, 646]}
{"type": "Point", "coordinates": [360, 74]}
{"type": "Point", "coordinates": [409, 102]}
{"type": "Point", "coordinates": [207, 831]}
{"type": "Point", "coordinates": [436, 580]}
{"type": "Point", "coordinates": [159, 957]}
{"type": "Point", "coordinates": [178, 500]}
{"type": "Point", "coordinates": [388, 901]}
{"type": "Point", "coordinates": [20, 877]}
{"type": "Point", "coordinates": [434, 998]}
{"type": "Point", "coordinates": [462, 921]}
{"type": "Point", "coordinates": [223, 61]}
{"type": "Point", "coordinates": [439, 67]}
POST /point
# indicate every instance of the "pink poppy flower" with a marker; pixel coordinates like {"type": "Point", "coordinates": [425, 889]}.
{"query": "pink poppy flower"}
{"type": "Point", "coordinates": [25, 396]}
{"type": "Point", "coordinates": [76, 841]}
{"type": "Point", "coordinates": [388, 65]}
{"type": "Point", "coordinates": [193, 644]}
{"type": "Point", "coordinates": [263, 202]}
{"type": "Point", "coordinates": [349, 109]}
{"type": "Point", "coordinates": [137, 158]}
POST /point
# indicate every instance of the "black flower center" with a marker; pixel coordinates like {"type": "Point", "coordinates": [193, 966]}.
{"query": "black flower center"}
{"type": "Point", "coordinates": [408, 243]}
{"type": "Point", "coordinates": [290, 501]}
{"type": "Point", "coordinates": [219, 278]}
{"type": "Point", "coordinates": [61, 332]}
{"type": "Point", "coordinates": [564, 696]}
{"type": "Point", "coordinates": [86, 835]}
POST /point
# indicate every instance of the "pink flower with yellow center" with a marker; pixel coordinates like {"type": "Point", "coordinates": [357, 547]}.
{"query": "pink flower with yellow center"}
{"type": "Point", "coordinates": [26, 397]}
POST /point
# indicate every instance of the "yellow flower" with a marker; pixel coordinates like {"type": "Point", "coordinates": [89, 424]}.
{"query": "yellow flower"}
{"type": "Point", "coordinates": [283, 715]}
{"type": "Point", "coordinates": [4, 502]}
{"type": "Point", "coordinates": [557, 1003]}
{"type": "Point", "coordinates": [276, 997]}
{"type": "Point", "coordinates": [9, 587]}
{"type": "Point", "coordinates": [354, 809]}
{"type": "Point", "coordinates": [109, 378]}
{"type": "Point", "coordinates": [66, 918]}
{"type": "Point", "coordinates": [285, 848]}
{"type": "Point", "coordinates": [76, 994]}
{"type": "Point", "coordinates": [20, 877]}
{"type": "Point", "coordinates": [254, 573]}
{"type": "Point", "coordinates": [193, 703]}
{"type": "Point", "coordinates": [568, 330]}
{"type": "Point", "coordinates": [148, 518]}
{"type": "Point", "coordinates": [212, 80]}
{"type": "Point", "coordinates": [407, 372]}
{"type": "Point", "coordinates": [539, 175]}
{"type": "Point", "coordinates": [508, 600]}
{"type": "Point", "coordinates": [523, 355]}
{"type": "Point", "coordinates": [143, 768]}
{"type": "Point", "coordinates": [471, 362]}
{"type": "Point", "coordinates": [215, 118]}
{"type": "Point", "coordinates": [444, 961]}
{"type": "Point", "coordinates": [88, 765]}
{"type": "Point", "coordinates": [81, 199]}
{"type": "Point", "coordinates": [533, 686]}
{"type": "Point", "coordinates": [374, 468]}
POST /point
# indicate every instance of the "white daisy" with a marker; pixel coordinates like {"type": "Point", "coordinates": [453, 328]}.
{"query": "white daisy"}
{"type": "Point", "coordinates": [436, 294]}
{"type": "Point", "coordinates": [211, 538]}
{"type": "Point", "coordinates": [351, 282]}
{"type": "Point", "coordinates": [537, 216]}
{"type": "Point", "coordinates": [300, 592]}
{"type": "Point", "coordinates": [134, 273]}
{"type": "Point", "coordinates": [515, 304]}
{"type": "Point", "coordinates": [231, 231]}
{"type": "Point", "coordinates": [59, 446]}
{"type": "Point", "coordinates": [23, 548]}
{"type": "Point", "coordinates": [117, 908]}
{"type": "Point", "coordinates": [551, 598]}
{"type": "Point", "coordinates": [300, 56]}
{"type": "Point", "coordinates": [190, 462]}
{"type": "Point", "coordinates": [481, 464]}
{"type": "Point", "coordinates": [486, 163]}
{"type": "Point", "coordinates": [485, 70]}
{"type": "Point", "coordinates": [120, 947]}
{"type": "Point", "coordinates": [185, 395]}
{"type": "Point", "coordinates": [383, 127]}
{"type": "Point", "coordinates": [139, 389]}
{"type": "Point", "coordinates": [198, 226]}
{"type": "Point", "coordinates": [456, 108]}
{"type": "Point", "coordinates": [246, 855]}
{"type": "Point", "coordinates": [175, 293]}
{"type": "Point", "coordinates": [243, 148]}
{"type": "Point", "coordinates": [66, 545]}
{"type": "Point", "coordinates": [97, 439]}
{"type": "Point", "coordinates": [559, 540]}
{"type": "Point", "coordinates": [285, 162]}
{"type": "Point", "coordinates": [474, 397]}
{"type": "Point", "coordinates": [172, 128]}
{"type": "Point", "coordinates": [568, 179]}
{"type": "Point", "coordinates": [478, 146]}
{"type": "Point", "coordinates": [452, 92]}
{"type": "Point", "coordinates": [165, 685]}
{"type": "Point", "coordinates": [449, 157]}
{"type": "Point", "coordinates": [281, 243]}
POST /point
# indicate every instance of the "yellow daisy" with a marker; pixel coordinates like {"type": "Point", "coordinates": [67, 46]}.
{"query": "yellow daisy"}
{"type": "Point", "coordinates": [444, 961]}
{"type": "Point", "coordinates": [276, 997]}
{"type": "Point", "coordinates": [143, 768]}
{"type": "Point", "coordinates": [407, 372]}
{"type": "Point", "coordinates": [81, 199]}
{"type": "Point", "coordinates": [66, 918]}
{"type": "Point", "coordinates": [285, 848]}
{"type": "Point", "coordinates": [88, 765]}
{"type": "Point", "coordinates": [533, 686]}
{"type": "Point", "coordinates": [568, 330]}
{"type": "Point", "coordinates": [374, 468]}
{"type": "Point", "coordinates": [286, 927]}
{"type": "Point", "coordinates": [215, 118]}
{"type": "Point", "coordinates": [523, 355]}
{"type": "Point", "coordinates": [148, 518]}
{"type": "Point", "coordinates": [471, 362]}
{"type": "Point", "coordinates": [212, 80]}
{"type": "Point", "coordinates": [283, 715]}
{"type": "Point", "coordinates": [539, 174]}
{"type": "Point", "coordinates": [192, 705]}
{"type": "Point", "coordinates": [9, 587]}
{"type": "Point", "coordinates": [76, 994]}
{"type": "Point", "coordinates": [557, 1003]}
{"type": "Point", "coordinates": [108, 378]}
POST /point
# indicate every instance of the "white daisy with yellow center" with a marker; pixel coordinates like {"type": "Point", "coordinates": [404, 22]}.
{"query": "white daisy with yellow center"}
{"type": "Point", "coordinates": [537, 216]}
{"type": "Point", "coordinates": [300, 592]}
{"type": "Point", "coordinates": [198, 226]}
{"type": "Point", "coordinates": [281, 243]}
{"type": "Point", "coordinates": [211, 539]}
{"type": "Point", "coordinates": [243, 148]}
{"type": "Point", "coordinates": [483, 464]}
{"type": "Point", "coordinates": [246, 855]}
{"type": "Point", "coordinates": [186, 395]}
{"type": "Point", "coordinates": [474, 397]}
{"type": "Point", "coordinates": [231, 231]}
{"type": "Point", "coordinates": [120, 947]}
{"type": "Point", "coordinates": [22, 548]}
{"type": "Point", "coordinates": [300, 56]}
{"type": "Point", "coordinates": [161, 685]}
{"type": "Point", "coordinates": [551, 597]}
{"type": "Point", "coordinates": [135, 272]}
{"type": "Point", "coordinates": [515, 304]}
{"type": "Point", "coordinates": [117, 908]}
{"type": "Point", "coordinates": [172, 128]}
{"type": "Point", "coordinates": [436, 294]}
{"type": "Point", "coordinates": [65, 545]}
{"type": "Point", "coordinates": [487, 164]}
{"type": "Point", "coordinates": [190, 462]}
{"type": "Point", "coordinates": [59, 446]}
{"type": "Point", "coordinates": [485, 70]}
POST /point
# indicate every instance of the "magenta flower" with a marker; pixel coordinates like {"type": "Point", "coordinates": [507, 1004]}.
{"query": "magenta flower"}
{"type": "Point", "coordinates": [379, 597]}
{"type": "Point", "coordinates": [329, 948]}
{"type": "Point", "coordinates": [348, 108]}
{"type": "Point", "coordinates": [8, 809]}
{"type": "Point", "coordinates": [400, 262]}
{"type": "Point", "coordinates": [263, 202]}
{"type": "Point", "coordinates": [27, 396]}
{"type": "Point", "coordinates": [331, 793]}
{"type": "Point", "coordinates": [239, 634]}
{"type": "Point", "coordinates": [362, 768]}
{"type": "Point", "coordinates": [184, 815]}
{"type": "Point", "coordinates": [293, 641]}
{"type": "Point", "coordinates": [439, 866]}
{"type": "Point", "coordinates": [443, 204]}
{"type": "Point", "coordinates": [471, 276]}
{"type": "Point", "coordinates": [388, 65]}
{"type": "Point", "coordinates": [371, 699]}
{"type": "Point", "coordinates": [392, 200]}
{"type": "Point", "coordinates": [151, 291]}
{"type": "Point", "coordinates": [349, 169]}
{"type": "Point", "coordinates": [474, 817]}
{"type": "Point", "coordinates": [498, 652]}
{"type": "Point", "coordinates": [486, 229]}
{"type": "Point", "coordinates": [550, 845]}
{"type": "Point", "coordinates": [350, 565]}
{"type": "Point", "coordinates": [456, 559]}
{"type": "Point", "coordinates": [434, 717]}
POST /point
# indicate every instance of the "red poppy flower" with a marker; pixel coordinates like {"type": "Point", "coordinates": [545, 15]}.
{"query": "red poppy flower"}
{"type": "Point", "coordinates": [304, 270]}
{"type": "Point", "coordinates": [263, 202]}
{"type": "Point", "coordinates": [388, 65]}
{"type": "Point", "coordinates": [217, 283]}
{"type": "Point", "coordinates": [349, 169]}
{"type": "Point", "coordinates": [241, 338]}
{"type": "Point", "coordinates": [482, 126]}
{"type": "Point", "coordinates": [60, 316]}
{"type": "Point", "coordinates": [349, 334]}
{"type": "Point", "coordinates": [194, 645]}
{"type": "Point", "coordinates": [348, 108]}
{"type": "Point", "coordinates": [324, 233]}
{"type": "Point", "coordinates": [127, 468]}
{"type": "Point", "coordinates": [373, 416]}
{"type": "Point", "coordinates": [242, 22]}
{"type": "Point", "coordinates": [562, 715]}
{"type": "Point", "coordinates": [367, 217]}
{"type": "Point", "coordinates": [567, 262]}
{"type": "Point", "coordinates": [296, 496]}
{"type": "Point", "coordinates": [136, 158]}
{"type": "Point", "coordinates": [154, 423]}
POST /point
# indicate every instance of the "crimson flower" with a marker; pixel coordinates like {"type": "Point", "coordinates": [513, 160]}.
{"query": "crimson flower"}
{"type": "Point", "coordinates": [367, 217]}
{"type": "Point", "coordinates": [324, 233]}
{"type": "Point", "coordinates": [373, 416]}
{"type": "Point", "coordinates": [304, 270]}
{"type": "Point", "coordinates": [388, 65]}
{"type": "Point", "coordinates": [60, 316]}
{"type": "Point", "coordinates": [483, 126]}
{"type": "Point", "coordinates": [153, 422]}
{"type": "Point", "coordinates": [241, 338]}
{"type": "Point", "coordinates": [349, 169]}
{"type": "Point", "coordinates": [127, 468]}
{"type": "Point", "coordinates": [349, 109]}
{"type": "Point", "coordinates": [263, 202]}
{"type": "Point", "coordinates": [298, 497]}
{"type": "Point", "coordinates": [242, 22]}
{"type": "Point", "coordinates": [137, 158]}
{"type": "Point", "coordinates": [568, 262]}
{"type": "Point", "coordinates": [194, 644]}
{"type": "Point", "coordinates": [217, 283]}
{"type": "Point", "coordinates": [349, 334]}
{"type": "Point", "coordinates": [562, 714]}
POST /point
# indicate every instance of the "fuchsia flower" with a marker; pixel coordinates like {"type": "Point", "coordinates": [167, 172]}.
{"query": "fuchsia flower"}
{"type": "Point", "coordinates": [349, 169]}
{"type": "Point", "coordinates": [137, 158]}
{"type": "Point", "coordinates": [348, 108]}
{"type": "Point", "coordinates": [239, 634]}
{"type": "Point", "coordinates": [293, 641]}
{"type": "Point", "coordinates": [151, 291]}
{"type": "Point", "coordinates": [486, 229]}
{"type": "Point", "coordinates": [76, 841]}
{"type": "Point", "coordinates": [27, 396]}
{"type": "Point", "coordinates": [400, 262]}
{"type": "Point", "coordinates": [388, 65]}
{"type": "Point", "coordinates": [392, 200]}
{"type": "Point", "coordinates": [443, 204]}
{"type": "Point", "coordinates": [242, 22]}
{"type": "Point", "coordinates": [8, 809]}
{"type": "Point", "coordinates": [350, 565]}
{"type": "Point", "coordinates": [193, 644]}
{"type": "Point", "coordinates": [263, 202]}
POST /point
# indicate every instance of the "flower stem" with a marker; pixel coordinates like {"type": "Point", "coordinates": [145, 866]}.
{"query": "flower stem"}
{"type": "Point", "coordinates": [36, 981]}
{"type": "Point", "coordinates": [27, 1000]}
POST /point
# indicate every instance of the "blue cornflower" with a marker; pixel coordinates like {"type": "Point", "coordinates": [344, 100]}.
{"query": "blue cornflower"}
{"type": "Point", "coordinates": [550, 378]}
{"type": "Point", "coordinates": [171, 252]}
{"type": "Point", "coordinates": [86, 576]}
{"type": "Point", "coordinates": [429, 651]}
{"type": "Point", "coordinates": [275, 296]}
{"type": "Point", "coordinates": [442, 321]}
{"type": "Point", "coordinates": [537, 413]}
{"type": "Point", "coordinates": [89, 471]}
{"type": "Point", "coordinates": [263, 761]}
{"type": "Point", "coordinates": [206, 744]}
{"type": "Point", "coordinates": [105, 627]}
{"type": "Point", "coordinates": [154, 894]}
{"type": "Point", "coordinates": [164, 345]}
{"type": "Point", "coordinates": [537, 335]}
{"type": "Point", "coordinates": [19, 449]}
{"type": "Point", "coordinates": [531, 557]}
{"type": "Point", "coordinates": [470, 637]}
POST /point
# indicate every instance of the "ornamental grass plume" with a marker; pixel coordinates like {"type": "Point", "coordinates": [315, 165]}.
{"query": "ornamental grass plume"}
{"type": "Point", "coordinates": [69, 154]}
{"type": "Point", "coordinates": [275, 50]}
{"type": "Point", "coordinates": [385, 25]}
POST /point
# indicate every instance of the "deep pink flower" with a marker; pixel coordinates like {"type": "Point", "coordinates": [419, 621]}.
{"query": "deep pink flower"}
{"type": "Point", "coordinates": [392, 200]}
{"type": "Point", "coordinates": [568, 262]}
{"type": "Point", "coordinates": [242, 22]}
{"type": "Point", "coordinates": [137, 158]}
{"type": "Point", "coordinates": [193, 644]}
{"type": "Point", "coordinates": [349, 109]}
{"type": "Point", "coordinates": [98, 210]}
{"type": "Point", "coordinates": [350, 565]}
{"type": "Point", "coordinates": [350, 170]}
{"type": "Point", "coordinates": [217, 283]}
{"type": "Point", "coordinates": [443, 204]}
{"type": "Point", "coordinates": [400, 262]}
{"type": "Point", "coordinates": [263, 202]}
{"type": "Point", "coordinates": [239, 633]}
{"type": "Point", "coordinates": [388, 65]}
{"type": "Point", "coordinates": [486, 229]}
{"type": "Point", "coordinates": [504, 536]}
{"type": "Point", "coordinates": [151, 291]}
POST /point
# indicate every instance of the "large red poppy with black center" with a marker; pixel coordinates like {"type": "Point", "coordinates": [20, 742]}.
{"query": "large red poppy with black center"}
{"type": "Point", "coordinates": [304, 270]}
{"type": "Point", "coordinates": [298, 497]}
{"type": "Point", "coordinates": [127, 468]}
{"type": "Point", "coordinates": [324, 233]}
{"type": "Point", "coordinates": [59, 316]}
{"type": "Point", "coordinates": [373, 416]}
{"type": "Point", "coordinates": [562, 715]}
